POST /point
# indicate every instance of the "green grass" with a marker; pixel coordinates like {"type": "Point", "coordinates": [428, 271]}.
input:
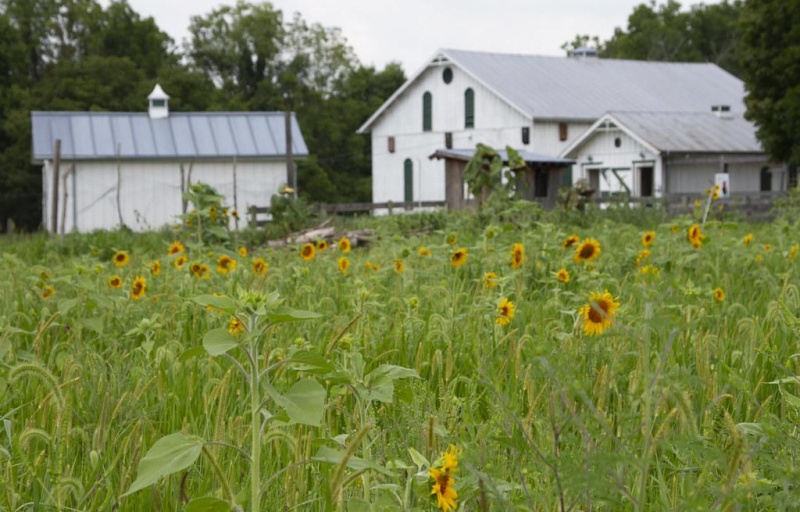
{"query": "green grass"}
{"type": "Point", "coordinates": [677, 406]}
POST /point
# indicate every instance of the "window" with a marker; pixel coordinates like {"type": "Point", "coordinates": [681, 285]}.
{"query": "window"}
{"type": "Point", "coordinates": [447, 75]}
{"type": "Point", "coordinates": [158, 103]}
{"type": "Point", "coordinates": [448, 140]}
{"type": "Point", "coordinates": [427, 114]}
{"type": "Point", "coordinates": [408, 181]}
{"type": "Point", "coordinates": [540, 182]}
{"type": "Point", "coordinates": [566, 177]}
{"type": "Point", "coordinates": [617, 142]}
{"type": "Point", "coordinates": [469, 108]}
{"type": "Point", "coordinates": [526, 135]}
{"type": "Point", "coordinates": [562, 131]}
{"type": "Point", "coordinates": [390, 144]}
{"type": "Point", "coordinates": [766, 180]}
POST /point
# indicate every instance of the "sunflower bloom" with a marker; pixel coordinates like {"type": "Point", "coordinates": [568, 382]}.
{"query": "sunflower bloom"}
{"type": "Point", "coordinates": [587, 250]}
{"type": "Point", "coordinates": [121, 258]}
{"type": "Point", "coordinates": [570, 241]}
{"type": "Point", "coordinates": [343, 265]}
{"type": "Point", "coordinates": [235, 326]}
{"type": "Point", "coordinates": [695, 236]}
{"type": "Point", "coordinates": [793, 252]}
{"type": "Point", "coordinates": [458, 257]}
{"type": "Point", "coordinates": [767, 247]}
{"type": "Point", "coordinates": [424, 252]}
{"type": "Point", "coordinates": [155, 267]}
{"type": "Point", "coordinates": [489, 280]}
{"type": "Point", "coordinates": [138, 288]}
{"type": "Point", "coordinates": [344, 244]}
{"type": "Point", "coordinates": [322, 245]}
{"type": "Point", "coordinates": [647, 238]}
{"type": "Point", "coordinates": [48, 291]}
{"type": "Point", "coordinates": [225, 264]}
{"type": "Point", "coordinates": [505, 312]}
{"type": "Point", "coordinates": [307, 252]}
{"type": "Point", "coordinates": [719, 294]}
{"type": "Point", "coordinates": [260, 266]}
{"type": "Point", "coordinates": [517, 255]}
{"type": "Point", "coordinates": [443, 489]}
{"type": "Point", "coordinates": [242, 252]}
{"type": "Point", "coordinates": [643, 255]}
{"type": "Point", "coordinates": [115, 282]}
{"type": "Point", "coordinates": [562, 275]}
{"type": "Point", "coordinates": [176, 248]}
{"type": "Point", "coordinates": [747, 239]}
{"type": "Point", "coordinates": [598, 313]}
{"type": "Point", "coordinates": [451, 239]}
{"type": "Point", "coordinates": [180, 261]}
{"type": "Point", "coordinates": [399, 266]}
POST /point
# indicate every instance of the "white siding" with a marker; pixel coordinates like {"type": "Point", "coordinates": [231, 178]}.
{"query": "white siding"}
{"type": "Point", "coordinates": [693, 174]}
{"type": "Point", "coordinates": [546, 136]}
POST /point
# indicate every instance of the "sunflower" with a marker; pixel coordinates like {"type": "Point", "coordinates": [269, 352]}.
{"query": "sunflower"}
{"type": "Point", "coordinates": [450, 459]}
{"type": "Point", "coordinates": [570, 241]}
{"type": "Point", "coordinates": [489, 280]}
{"type": "Point", "coordinates": [747, 239]}
{"type": "Point", "coordinates": [719, 294]}
{"type": "Point", "coordinates": [235, 326]}
{"type": "Point", "coordinates": [562, 275]}
{"type": "Point", "coordinates": [212, 212]}
{"type": "Point", "coordinates": [242, 252]}
{"type": "Point", "coordinates": [767, 247]}
{"type": "Point", "coordinates": [343, 264]}
{"type": "Point", "coordinates": [138, 288]}
{"type": "Point", "coordinates": [443, 489]}
{"type": "Point", "coordinates": [505, 312]}
{"type": "Point", "coordinates": [458, 257]}
{"type": "Point", "coordinates": [322, 245]}
{"type": "Point", "coordinates": [260, 266]}
{"type": "Point", "coordinates": [204, 272]}
{"type": "Point", "coordinates": [793, 252]}
{"type": "Point", "coordinates": [48, 291]}
{"type": "Point", "coordinates": [194, 268]}
{"type": "Point", "coordinates": [115, 282]}
{"type": "Point", "coordinates": [307, 252]}
{"type": "Point", "coordinates": [121, 258]}
{"type": "Point", "coordinates": [155, 267]}
{"type": "Point", "coordinates": [399, 266]}
{"type": "Point", "coordinates": [176, 248]}
{"type": "Point", "coordinates": [180, 261]}
{"type": "Point", "coordinates": [587, 250]}
{"type": "Point", "coordinates": [451, 239]}
{"type": "Point", "coordinates": [424, 252]}
{"type": "Point", "coordinates": [648, 237]}
{"type": "Point", "coordinates": [225, 264]}
{"type": "Point", "coordinates": [643, 255]}
{"type": "Point", "coordinates": [344, 244]}
{"type": "Point", "coordinates": [517, 255]}
{"type": "Point", "coordinates": [598, 313]}
{"type": "Point", "coordinates": [695, 236]}
{"type": "Point", "coordinates": [650, 269]}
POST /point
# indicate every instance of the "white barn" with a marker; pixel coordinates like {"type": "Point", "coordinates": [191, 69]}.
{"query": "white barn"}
{"type": "Point", "coordinates": [543, 105]}
{"type": "Point", "coordinates": [132, 168]}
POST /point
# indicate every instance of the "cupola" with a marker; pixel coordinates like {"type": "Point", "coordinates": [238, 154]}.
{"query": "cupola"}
{"type": "Point", "coordinates": [159, 103]}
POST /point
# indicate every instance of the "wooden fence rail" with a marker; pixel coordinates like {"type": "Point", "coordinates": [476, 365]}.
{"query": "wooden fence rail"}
{"type": "Point", "coordinates": [390, 206]}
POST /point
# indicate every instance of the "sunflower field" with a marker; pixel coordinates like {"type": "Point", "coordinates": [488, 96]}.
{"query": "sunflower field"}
{"type": "Point", "coordinates": [517, 361]}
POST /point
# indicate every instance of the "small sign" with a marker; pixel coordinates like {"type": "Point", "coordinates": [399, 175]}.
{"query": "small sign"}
{"type": "Point", "coordinates": [723, 181]}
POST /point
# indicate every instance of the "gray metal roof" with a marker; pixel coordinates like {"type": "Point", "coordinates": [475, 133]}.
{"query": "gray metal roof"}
{"type": "Point", "coordinates": [691, 132]}
{"type": "Point", "coordinates": [583, 89]}
{"type": "Point", "coordinates": [97, 135]}
{"type": "Point", "coordinates": [530, 158]}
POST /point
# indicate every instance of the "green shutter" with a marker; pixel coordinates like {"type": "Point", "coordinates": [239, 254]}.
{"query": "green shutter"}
{"type": "Point", "coordinates": [427, 114]}
{"type": "Point", "coordinates": [566, 176]}
{"type": "Point", "coordinates": [408, 180]}
{"type": "Point", "coordinates": [469, 108]}
{"type": "Point", "coordinates": [766, 180]}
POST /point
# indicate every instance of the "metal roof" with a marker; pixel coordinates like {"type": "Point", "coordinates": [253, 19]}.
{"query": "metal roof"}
{"type": "Point", "coordinates": [690, 132]}
{"type": "Point", "coordinates": [99, 135]}
{"type": "Point", "coordinates": [583, 89]}
{"type": "Point", "coordinates": [530, 158]}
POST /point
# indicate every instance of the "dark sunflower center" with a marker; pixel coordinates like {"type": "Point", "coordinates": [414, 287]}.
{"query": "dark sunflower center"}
{"type": "Point", "coordinates": [587, 251]}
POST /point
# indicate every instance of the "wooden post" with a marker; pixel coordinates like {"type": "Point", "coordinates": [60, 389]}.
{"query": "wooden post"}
{"type": "Point", "coordinates": [54, 210]}
{"type": "Point", "coordinates": [66, 196]}
{"type": "Point", "coordinates": [235, 200]}
{"type": "Point", "coordinates": [291, 179]}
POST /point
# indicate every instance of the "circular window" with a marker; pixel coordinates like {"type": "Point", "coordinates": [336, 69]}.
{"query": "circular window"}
{"type": "Point", "coordinates": [447, 75]}
{"type": "Point", "coordinates": [617, 142]}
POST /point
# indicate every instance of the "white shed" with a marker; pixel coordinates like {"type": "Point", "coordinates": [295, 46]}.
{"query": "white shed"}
{"type": "Point", "coordinates": [132, 168]}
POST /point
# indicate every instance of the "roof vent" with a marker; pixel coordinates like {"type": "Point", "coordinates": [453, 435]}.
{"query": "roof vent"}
{"type": "Point", "coordinates": [159, 103]}
{"type": "Point", "coordinates": [722, 111]}
{"type": "Point", "coordinates": [584, 52]}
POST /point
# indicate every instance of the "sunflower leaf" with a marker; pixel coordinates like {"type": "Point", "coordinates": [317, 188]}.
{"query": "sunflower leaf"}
{"type": "Point", "coordinates": [218, 341]}
{"type": "Point", "coordinates": [169, 455]}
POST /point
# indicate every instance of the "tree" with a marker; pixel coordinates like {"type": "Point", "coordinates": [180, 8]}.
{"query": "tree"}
{"type": "Point", "coordinates": [771, 72]}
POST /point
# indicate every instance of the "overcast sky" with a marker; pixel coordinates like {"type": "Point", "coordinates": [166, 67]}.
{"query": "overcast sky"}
{"type": "Point", "coordinates": [411, 31]}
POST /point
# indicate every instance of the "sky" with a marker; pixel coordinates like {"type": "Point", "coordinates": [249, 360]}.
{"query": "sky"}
{"type": "Point", "coordinates": [410, 32]}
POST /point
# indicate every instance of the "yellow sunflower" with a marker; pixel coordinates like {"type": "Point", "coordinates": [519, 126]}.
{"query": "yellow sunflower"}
{"type": "Point", "coordinates": [643, 255]}
{"type": "Point", "coordinates": [451, 239]}
{"type": "Point", "coordinates": [48, 291]}
{"type": "Point", "coordinates": [155, 267]}
{"type": "Point", "coordinates": [115, 282]}
{"type": "Point", "coordinates": [505, 312]}
{"type": "Point", "coordinates": [121, 258]}
{"type": "Point", "coordinates": [489, 280]}
{"type": "Point", "coordinates": [343, 264]}
{"type": "Point", "coordinates": [235, 326]}
{"type": "Point", "coordinates": [322, 245]}
{"type": "Point", "coordinates": [399, 266]}
{"type": "Point", "coordinates": [344, 244]}
{"type": "Point", "coordinates": [793, 252]}
{"type": "Point", "coordinates": [570, 241]}
{"type": "Point", "coordinates": [450, 459]}
{"type": "Point", "coordinates": [562, 275]}
{"type": "Point", "coordinates": [180, 261]}
{"type": "Point", "coordinates": [260, 266]}
{"type": "Point", "coordinates": [598, 313]}
{"type": "Point", "coordinates": [648, 237]}
{"type": "Point", "coordinates": [695, 236]}
{"type": "Point", "coordinates": [747, 239]}
{"type": "Point", "coordinates": [587, 250]}
{"type": "Point", "coordinates": [767, 247]}
{"type": "Point", "coordinates": [517, 255]}
{"type": "Point", "coordinates": [719, 294]}
{"type": "Point", "coordinates": [176, 248]}
{"type": "Point", "coordinates": [307, 252]}
{"type": "Point", "coordinates": [242, 252]}
{"type": "Point", "coordinates": [138, 288]}
{"type": "Point", "coordinates": [225, 264]}
{"type": "Point", "coordinates": [424, 252]}
{"type": "Point", "coordinates": [443, 489]}
{"type": "Point", "coordinates": [458, 257]}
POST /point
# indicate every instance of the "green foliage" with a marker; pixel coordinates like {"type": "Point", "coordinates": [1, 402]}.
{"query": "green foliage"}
{"type": "Point", "coordinates": [208, 221]}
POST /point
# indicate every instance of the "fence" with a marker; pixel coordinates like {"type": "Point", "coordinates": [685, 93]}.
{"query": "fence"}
{"type": "Point", "coordinates": [259, 215]}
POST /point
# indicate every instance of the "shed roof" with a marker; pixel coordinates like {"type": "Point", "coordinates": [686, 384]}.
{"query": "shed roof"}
{"type": "Point", "coordinates": [565, 88]}
{"type": "Point", "coordinates": [100, 135]}
{"type": "Point", "coordinates": [530, 158]}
